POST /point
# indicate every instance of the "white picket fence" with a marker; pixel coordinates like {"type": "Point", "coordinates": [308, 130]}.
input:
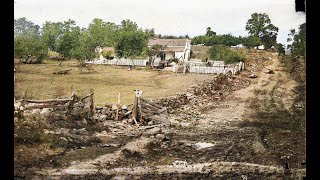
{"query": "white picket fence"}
{"type": "Point", "coordinates": [218, 69]}
{"type": "Point", "coordinates": [120, 62]}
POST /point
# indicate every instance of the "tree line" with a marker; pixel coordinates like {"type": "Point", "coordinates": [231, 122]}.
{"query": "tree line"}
{"type": "Point", "coordinates": [71, 41]}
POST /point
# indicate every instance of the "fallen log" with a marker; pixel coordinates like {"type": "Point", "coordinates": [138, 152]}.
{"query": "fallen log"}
{"type": "Point", "coordinates": [62, 71]}
{"type": "Point", "coordinates": [49, 101]}
{"type": "Point", "coordinates": [45, 106]}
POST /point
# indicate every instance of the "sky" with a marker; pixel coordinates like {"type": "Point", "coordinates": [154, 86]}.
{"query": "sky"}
{"type": "Point", "coordinates": [167, 17]}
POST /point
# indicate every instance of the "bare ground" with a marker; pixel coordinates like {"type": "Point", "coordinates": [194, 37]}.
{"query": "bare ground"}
{"type": "Point", "coordinates": [252, 133]}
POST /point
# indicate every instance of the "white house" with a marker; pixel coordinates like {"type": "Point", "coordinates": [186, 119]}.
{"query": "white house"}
{"type": "Point", "coordinates": [172, 48]}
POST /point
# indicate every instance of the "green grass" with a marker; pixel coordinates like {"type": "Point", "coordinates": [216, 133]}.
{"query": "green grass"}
{"type": "Point", "coordinates": [107, 82]}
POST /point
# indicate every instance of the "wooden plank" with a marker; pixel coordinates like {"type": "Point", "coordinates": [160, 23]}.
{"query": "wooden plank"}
{"type": "Point", "coordinates": [45, 106]}
{"type": "Point", "coordinates": [148, 127]}
{"type": "Point", "coordinates": [49, 101]}
{"type": "Point", "coordinates": [151, 103]}
{"type": "Point", "coordinates": [91, 102]}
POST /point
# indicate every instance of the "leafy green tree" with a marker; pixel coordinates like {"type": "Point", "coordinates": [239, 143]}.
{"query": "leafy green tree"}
{"type": "Point", "coordinates": [228, 40]}
{"type": "Point", "coordinates": [132, 41]}
{"type": "Point", "coordinates": [153, 52]}
{"type": "Point", "coordinates": [68, 39]}
{"type": "Point", "coordinates": [298, 39]}
{"type": "Point", "coordinates": [223, 53]}
{"type": "Point", "coordinates": [210, 33]}
{"type": "Point", "coordinates": [27, 42]}
{"type": "Point", "coordinates": [251, 41]}
{"type": "Point", "coordinates": [280, 49]}
{"type": "Point", "coordinates": [259, 25]}
{"type": "Point", "coordinates": [51, 32]}
{"type": "Point", "coordinates": [103, 33]}
{"type": "Point", "coordinates": [24, 26]}
{"type": "Point", "coordinates": [84, 50]}
{"type": "Point", "coordinates": [150, 33]}
{"type": "Point", "coordinates": [27, 46]}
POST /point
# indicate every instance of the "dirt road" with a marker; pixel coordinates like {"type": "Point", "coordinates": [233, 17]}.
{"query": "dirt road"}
{"type": "Point", "coordinates": [226, 141]}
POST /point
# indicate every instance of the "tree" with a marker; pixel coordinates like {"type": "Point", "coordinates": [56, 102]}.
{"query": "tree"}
{"type": "Point", "coordinates": [259, 25]}
{"type": "Point", "coordinates": [298, 39]}
{"type": "Point", "coordinates": [27, 41]}
{"type": "Point", "coordinates": [132, 41]}
{"type": "Point", "coordinates": [68, 39]}
{"type": "Point", "coordinates": [210, 33]}
{"type": "Point", "coordinates": [150, 33]}
{"type": "Point", "coordinates": [51, 32]}
{"type": "Point", "coordinates": [84, 50]}
{"type": "Point", "coordinates": [228, 40]}
{"type": "Point", "coordinates": [24, 26]}
{"type": "Point", "coordinates": [103, 33]}
{"type": "Point", "coordinates": [280, 49]}
{"type": "Point", "coordinates": [29, 45]}
{"type": "Point", "coordinates": [251, 41]}
{"type": "Point", "coordinates": [153, 52]}
{"type": "Point", "coordinates": [223, 53]}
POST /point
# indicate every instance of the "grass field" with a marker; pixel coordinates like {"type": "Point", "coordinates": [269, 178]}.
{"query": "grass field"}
{"type": "Point", "coordinates": [107, 81]}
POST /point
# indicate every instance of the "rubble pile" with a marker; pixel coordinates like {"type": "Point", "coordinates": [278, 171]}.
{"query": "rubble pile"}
{"type": "Point", "coordinates": [203, 94]}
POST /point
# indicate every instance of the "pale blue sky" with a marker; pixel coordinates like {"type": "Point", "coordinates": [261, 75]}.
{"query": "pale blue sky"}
{"type": "Point", "coordinates": [167, 17]}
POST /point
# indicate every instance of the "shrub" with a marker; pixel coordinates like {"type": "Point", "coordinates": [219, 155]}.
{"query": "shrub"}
{"type": "Point", "coordinates": [225, 54]}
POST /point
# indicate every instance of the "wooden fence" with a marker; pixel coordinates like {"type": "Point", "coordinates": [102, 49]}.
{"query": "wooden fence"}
{"type": "Point", "coordinates": [217, 69]}
{"type": "Point", "coordinates": [60, 104]}
{"type": "Point", "coordinates": [120, 62]}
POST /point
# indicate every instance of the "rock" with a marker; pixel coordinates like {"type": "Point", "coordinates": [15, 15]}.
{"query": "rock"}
{"type": "Point", "coordinates": [253, 76]}
{"type": "Point", "coordinates": [124, 121]}
{"type": "Point", "coordinates": [84, 121]}
{"type": "Point", "coordinates": [98, 107]}
{"type": "Point", "coordinates": [124, 107]}
{"type": "Point", "coordinates": [130, 121]}
{"type": "Point", "coordinates": [114, 107]}
{"type": "Point", "coordinates": [103, 117]}
{"type": "Point", "coordinates": [45, 112]}
{"type": "Point", "coordinates": [160, 137]}
{"type": "Point", "coordinates": [36, 111]}
{"type": "Point", "coordinates": [150, 123]}
{"type": "Point", "coordinates": [82, 131]}
{"type": "Point", "coordinates": [152, 131]}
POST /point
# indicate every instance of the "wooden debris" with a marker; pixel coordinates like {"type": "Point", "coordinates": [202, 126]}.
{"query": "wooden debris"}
{"type": "Point", "coordinates": [62, 71]}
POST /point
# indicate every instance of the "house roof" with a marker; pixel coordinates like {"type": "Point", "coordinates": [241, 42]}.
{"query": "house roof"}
{"type": "Point", "coordinates": [173, 49]}
{"type": "Point", "coordinates": [167, 42]}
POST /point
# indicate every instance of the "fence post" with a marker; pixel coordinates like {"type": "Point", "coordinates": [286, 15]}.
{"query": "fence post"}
{"type": "Point", "coordinates": [71, 103]}
{"type": "Point", "coordinates": [91, 103]}
{"type": "Point", "coordinates": [24, 102]}
{"type": "Point", "coordinates": [136, 105]}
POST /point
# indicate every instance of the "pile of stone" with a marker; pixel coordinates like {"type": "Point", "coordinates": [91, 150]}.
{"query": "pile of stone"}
{"type": "Point", "coordinates": [111, 112]}
{"type": "Point", "coordinates": [203, 94]}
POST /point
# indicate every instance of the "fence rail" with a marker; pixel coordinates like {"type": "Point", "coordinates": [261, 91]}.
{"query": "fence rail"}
{"type": "Point", "coordinates": [67, 104]}
{"type": "Point", "coordinates": [120, 62]}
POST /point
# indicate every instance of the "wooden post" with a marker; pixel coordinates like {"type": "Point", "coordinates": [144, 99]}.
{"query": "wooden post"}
{"type": "Point", "coordinates": [91, 103]}
{"type": "Point", "coordinates": [184, 67]}
{"type": "Point", "coordinates": [118, 105]}
{"type": "Point", "coordinates": [135, 107]}
{"type": "Point", "coordinates": [119, 99]}
{"type": "Point", "coordinates": [71, 103]}
{"type": "Point", "coordinates": [23, 103]}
